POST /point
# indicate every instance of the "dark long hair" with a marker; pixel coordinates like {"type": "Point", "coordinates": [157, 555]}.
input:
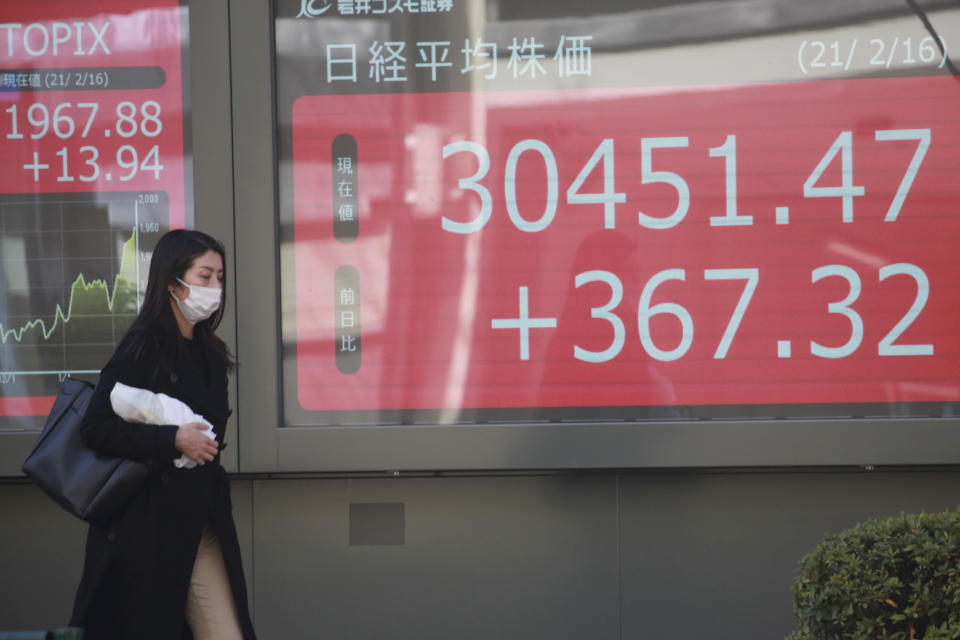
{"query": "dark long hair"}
{"type": "Point", "coordinates": [155, 332]}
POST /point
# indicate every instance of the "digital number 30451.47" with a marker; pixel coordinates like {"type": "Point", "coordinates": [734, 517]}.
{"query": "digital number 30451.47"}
{"type": "Point", "coordinates": [604, 157]}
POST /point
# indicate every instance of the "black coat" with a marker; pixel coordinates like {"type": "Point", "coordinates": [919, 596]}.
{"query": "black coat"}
{"type": "Point", "coordinates": [137, 568]}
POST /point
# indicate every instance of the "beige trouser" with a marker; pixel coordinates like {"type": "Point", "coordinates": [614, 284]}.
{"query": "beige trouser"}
{"type": "Point", "coordinates": [211, 612]}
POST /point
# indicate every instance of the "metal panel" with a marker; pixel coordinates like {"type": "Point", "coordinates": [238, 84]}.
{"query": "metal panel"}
{"type": "Point", "coordinates": [504, 557]}
{"type": "Point", "coordinates": [258, 377]}
{"type": "Point", "coordinates": [241, 494]}
{"type": "Point", "coordinates": [678, 554]}
{"type": "Point", "coordinates": [41, 555]}
{"type": "Point", "coordinates": [621, 445]}
{"type": "Point", "coordinates": [266, 446]}
{"type": "Point", "coordinates": [712, 555]}
{"type": "Point", "coordinates": [16, 447]}
{"type": "Point", "coordinates": [213, 150]}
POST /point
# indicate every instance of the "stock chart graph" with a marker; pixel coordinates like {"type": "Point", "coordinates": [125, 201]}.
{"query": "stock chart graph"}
{"type": "Point", "coordinates": [72, 271]}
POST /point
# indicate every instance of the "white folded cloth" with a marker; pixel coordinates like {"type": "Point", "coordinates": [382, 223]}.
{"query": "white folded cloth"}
{"type": "Point", "coordinates": [141, 405]}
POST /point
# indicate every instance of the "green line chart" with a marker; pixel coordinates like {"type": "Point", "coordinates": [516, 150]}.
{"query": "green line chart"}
{"type": "Point", "coordinates": [72, 270]}
{"type": "Point", "coordinates": [90, 300]}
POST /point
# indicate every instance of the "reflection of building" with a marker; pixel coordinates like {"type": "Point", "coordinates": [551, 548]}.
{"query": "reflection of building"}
{"type": "Point", "coordinates": [663, 43]}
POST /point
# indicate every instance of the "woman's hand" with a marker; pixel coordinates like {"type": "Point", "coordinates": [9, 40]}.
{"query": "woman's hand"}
{"type": "Point", "coordinates": [192, 442]}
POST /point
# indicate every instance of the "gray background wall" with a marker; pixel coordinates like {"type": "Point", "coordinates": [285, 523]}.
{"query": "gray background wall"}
{"type": "Point", "coordinates": [601, 554]}
{"type": "Point", "coordinates": [679, 554]}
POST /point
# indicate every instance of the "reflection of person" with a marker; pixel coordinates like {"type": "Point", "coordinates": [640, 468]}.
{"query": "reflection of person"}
{"type": "Point", "coordinates": [631, 369]}
{"type": "Point", "coordinates": [169, 560]}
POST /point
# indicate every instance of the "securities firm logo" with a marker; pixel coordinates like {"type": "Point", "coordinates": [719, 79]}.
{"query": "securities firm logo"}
{"type": "Point", "coordinates": [309, 9]}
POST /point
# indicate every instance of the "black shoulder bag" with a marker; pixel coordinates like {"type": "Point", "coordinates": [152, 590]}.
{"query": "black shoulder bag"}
{"type": "Point", "coordinates": [88, 485]}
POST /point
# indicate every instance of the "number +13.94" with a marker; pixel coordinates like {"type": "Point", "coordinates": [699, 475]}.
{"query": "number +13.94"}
{"type": "Point", "coordinates": [68, 120]}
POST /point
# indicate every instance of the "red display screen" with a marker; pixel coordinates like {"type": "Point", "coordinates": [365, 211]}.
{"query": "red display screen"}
{"type": "Point", "coordinates": [538, 213]}
{"type": "Point", "coordinates": [93, 169]}
{"type": "Point", "coordinates": [787, 243]}
{"type": "Point", "coordinates": [93, 101]}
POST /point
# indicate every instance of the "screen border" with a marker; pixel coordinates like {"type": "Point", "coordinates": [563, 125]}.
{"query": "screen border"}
{"type": "Point", "coordinates": [267, 446]}
{"type": "Point", "coordinates": [209, 189]}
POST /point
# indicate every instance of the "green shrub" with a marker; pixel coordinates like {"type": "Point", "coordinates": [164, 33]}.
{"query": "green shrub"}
{"type": "Point", "coordinates": [897, 579]}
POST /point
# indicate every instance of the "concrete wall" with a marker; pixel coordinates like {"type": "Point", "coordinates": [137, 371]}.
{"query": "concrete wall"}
{"type": "Point", "coordinates": [599, 555]}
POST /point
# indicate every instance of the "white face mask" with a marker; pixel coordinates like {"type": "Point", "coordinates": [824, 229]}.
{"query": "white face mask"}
{"type": "Point", "coordinates": [200, 303]}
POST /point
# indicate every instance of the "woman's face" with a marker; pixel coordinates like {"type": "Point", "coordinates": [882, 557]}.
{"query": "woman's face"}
{"type": "Point", "coordinates": [206, 271]}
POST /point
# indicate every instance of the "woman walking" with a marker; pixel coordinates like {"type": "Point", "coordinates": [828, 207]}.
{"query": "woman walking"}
{"type": "Point", "coordinates": [167, 565]}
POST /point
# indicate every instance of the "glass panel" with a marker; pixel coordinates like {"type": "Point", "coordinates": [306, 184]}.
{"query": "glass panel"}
{"type": "Point", "coordinates": [532, 211]}
{"type": "Point", "coordinates": [95, 167]}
